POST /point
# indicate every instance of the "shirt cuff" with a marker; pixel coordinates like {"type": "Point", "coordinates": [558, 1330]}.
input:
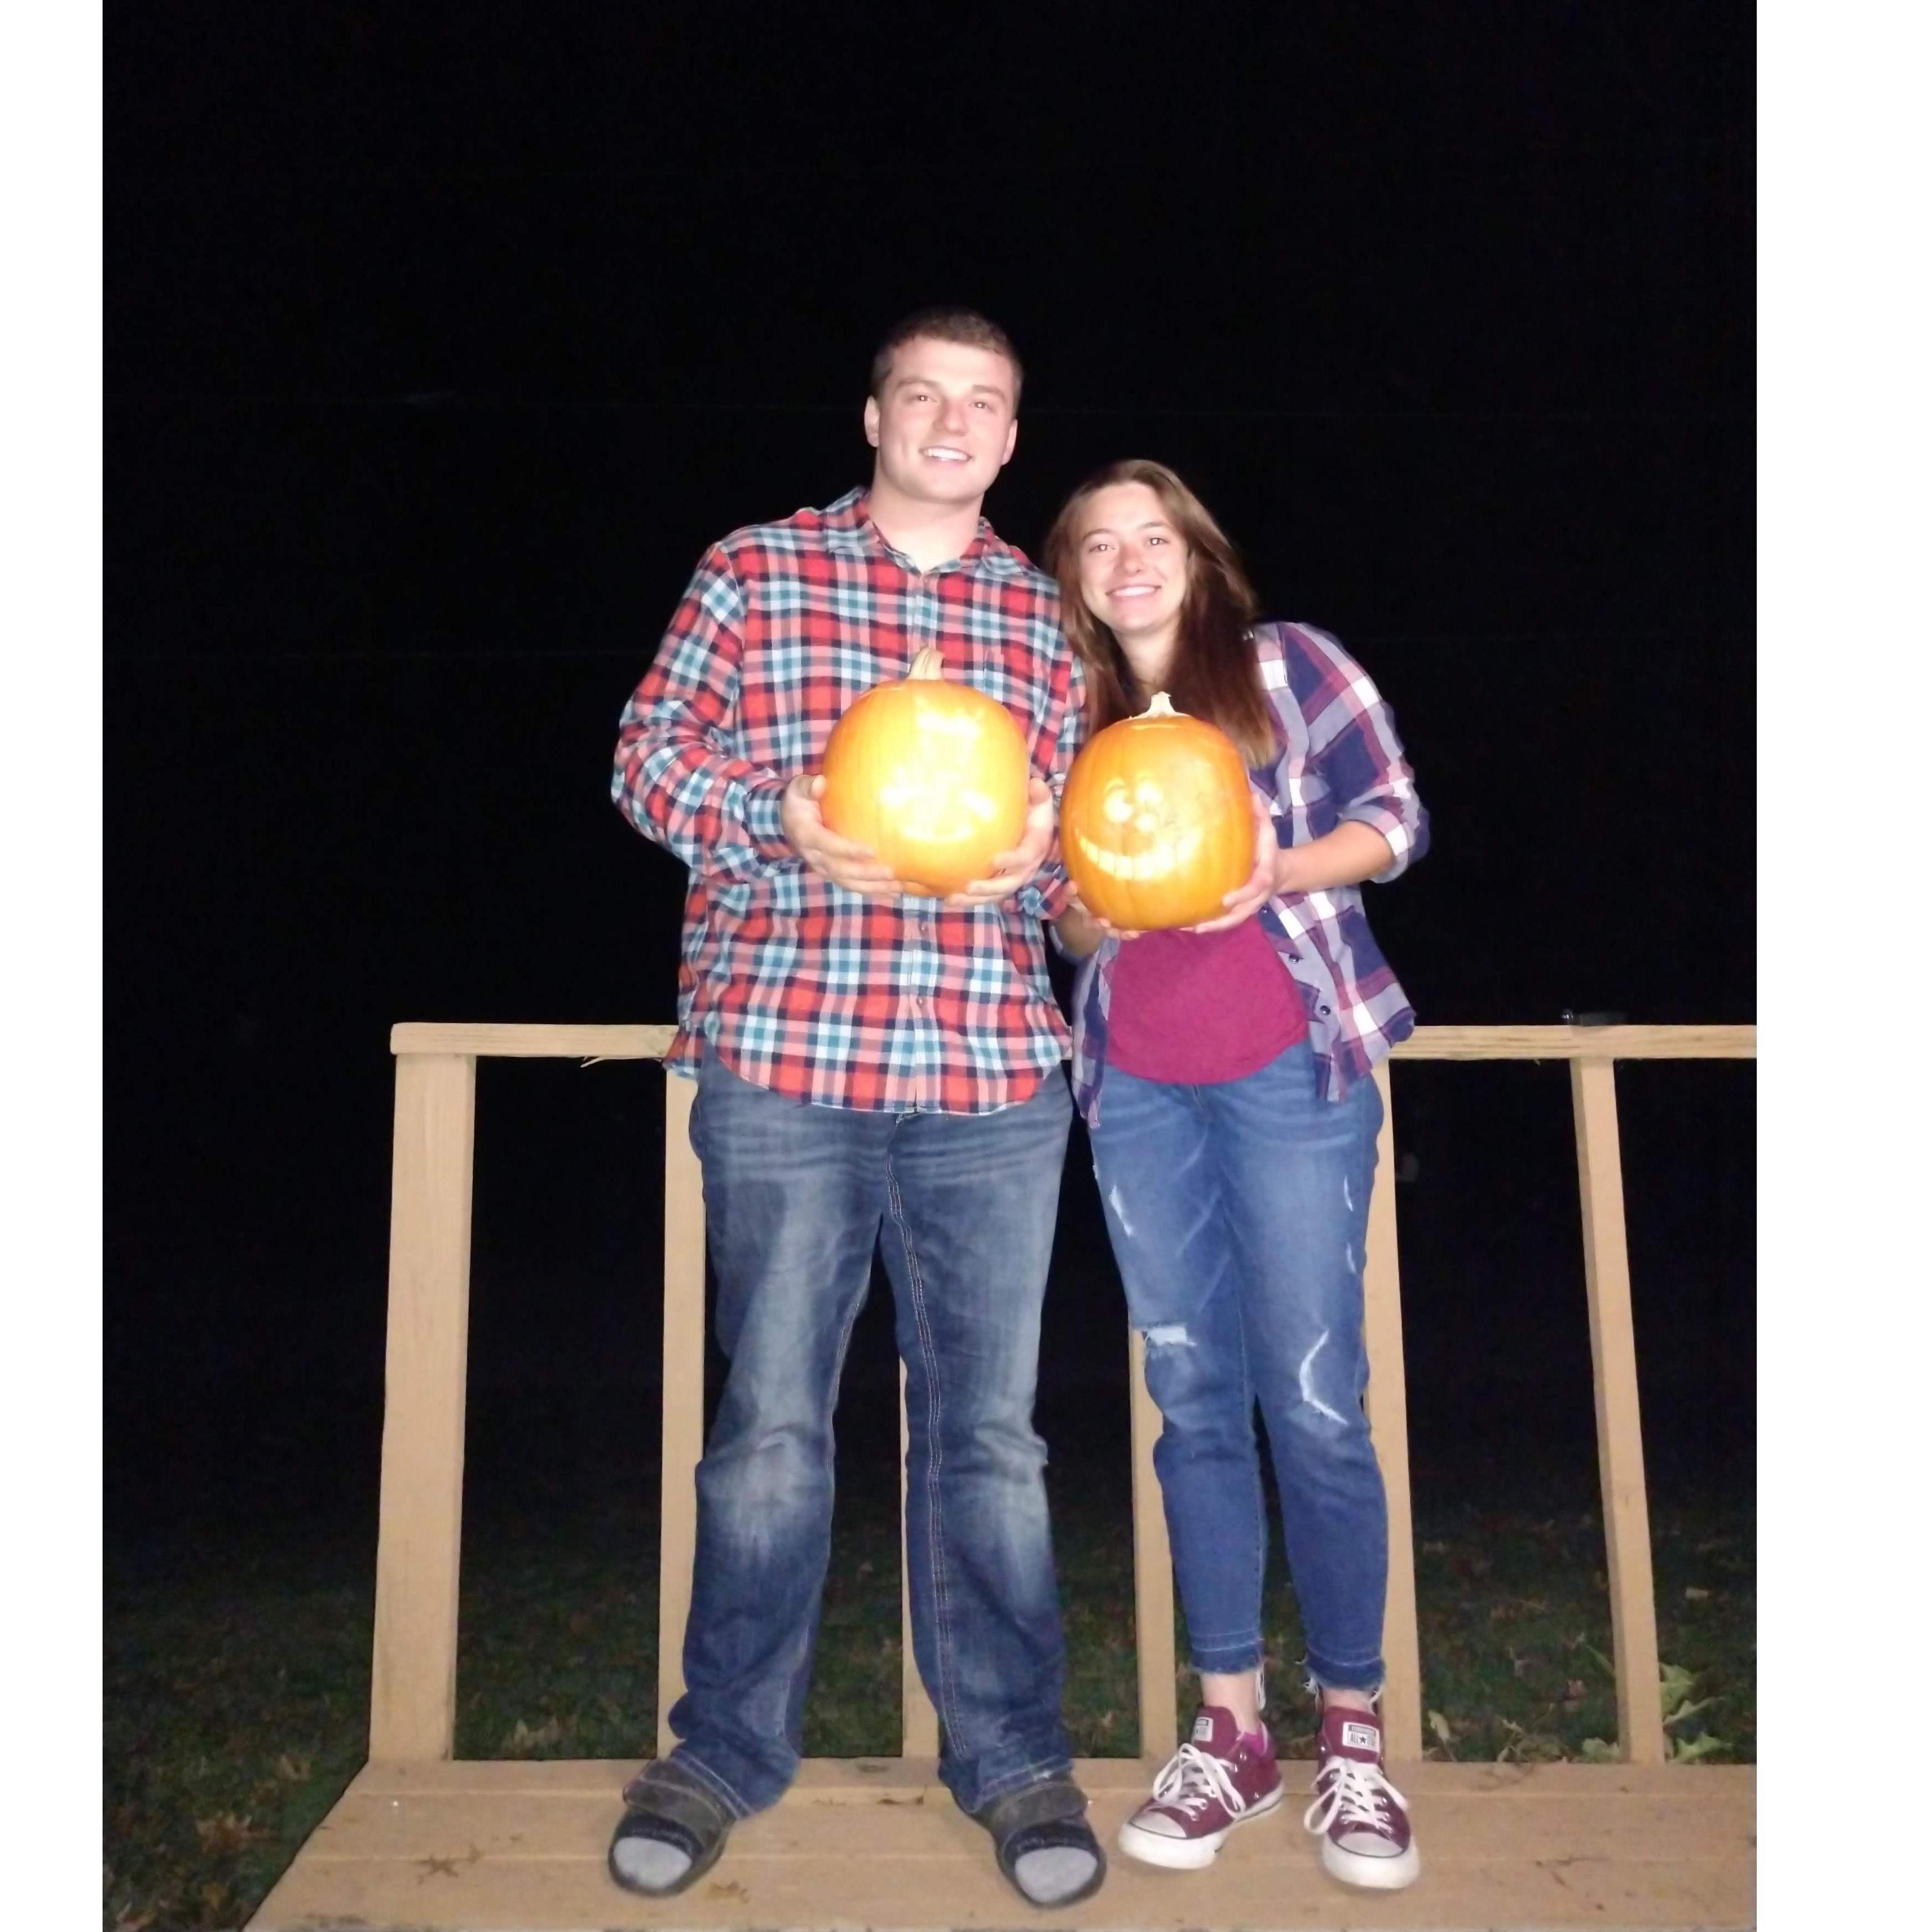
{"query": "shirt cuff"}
{"type": "Point", "coordinates": [764, 820]}
{"type": "Point", "coordinates": [1045, 894]}
{"type": "Point", "coordinates": [1392, 827]}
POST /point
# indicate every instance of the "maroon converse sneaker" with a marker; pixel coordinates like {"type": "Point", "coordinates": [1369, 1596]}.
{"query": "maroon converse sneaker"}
{"type": "Point", "coordinates": [1362, 1820]}
{"type": "Point", "coordinates": [1212, 1783]}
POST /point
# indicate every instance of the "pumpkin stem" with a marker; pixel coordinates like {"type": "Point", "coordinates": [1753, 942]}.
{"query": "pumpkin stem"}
{"type": "Point", "coordinates": [1160, 707]}
{"type": "Point", "coordinates": [929, 664]}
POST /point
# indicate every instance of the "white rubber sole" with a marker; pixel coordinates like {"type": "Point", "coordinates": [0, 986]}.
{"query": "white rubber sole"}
{"type": "Point", "coordinates": [1371, 1874]}
{"type": "Point", "coordinates": [1154, 1848]}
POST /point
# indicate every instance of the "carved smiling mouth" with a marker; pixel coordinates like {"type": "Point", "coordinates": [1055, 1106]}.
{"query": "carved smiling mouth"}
{"type": "Point", "coordinates": [1157, 863]}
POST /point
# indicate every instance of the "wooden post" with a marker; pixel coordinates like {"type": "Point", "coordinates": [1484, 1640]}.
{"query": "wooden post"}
{"type": "Point", "coordinates": [683, 1439]}
{"type": "Point", "coordinates": [1619, 1437]}
{"type": "Point", "coordinates": [1153, 1572]}
{"type": "Point", "coordinates": [1388, 1414]}
{"type": "Point", "coordinates": [918, 1722]}
{"type": "Point", "coordinates": [412, 1687]}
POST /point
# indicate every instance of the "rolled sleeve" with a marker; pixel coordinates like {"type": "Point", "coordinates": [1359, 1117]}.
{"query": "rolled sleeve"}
{"type": "Point", "coordinates": [1359, 752]}
{"type": "Point", "coordinates": [1402, 819]}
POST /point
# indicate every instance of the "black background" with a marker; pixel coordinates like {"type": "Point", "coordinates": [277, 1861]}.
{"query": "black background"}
{"type": "Point", "coordinates": [440, 340]}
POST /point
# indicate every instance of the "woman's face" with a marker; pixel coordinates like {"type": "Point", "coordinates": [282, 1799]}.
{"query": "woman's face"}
{"type": "Point", "coordinates": [1132, 564]}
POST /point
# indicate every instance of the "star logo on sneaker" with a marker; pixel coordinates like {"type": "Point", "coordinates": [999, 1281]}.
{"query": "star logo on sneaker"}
{"type": "Point", "coordinates": [1360, 1737]}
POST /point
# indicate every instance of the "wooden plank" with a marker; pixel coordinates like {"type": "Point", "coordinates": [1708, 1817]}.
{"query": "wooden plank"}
{"type": "Point", "coordinates": [1619, 1438]}
{"type": "Point", "coordinates": [1388, 1415]}
{"type": "Point", "coordinates": [525, 1040]}
{"type": "Point", "coordinates": [1152, 1571]}
{"type": "Point", "coordinates": [683, 1419]}
{"type": "Point", "coordinates": [959, 1891]}
{"type": "Point", "coordinates": [505, 1039]}
{"type": "Point", "coordinates": [919, 1723]}
{"type": "Point", "coordinates": [413, 1692]}
{"type": "Point", "coordinates": [1568, 1042]}
{"type": "Point", "coordinates": [1643, 1828]}
{"type": "Point", "coordinates": [1504, 1846]}
{"type": "Point", "coordinates": [859, 1779]}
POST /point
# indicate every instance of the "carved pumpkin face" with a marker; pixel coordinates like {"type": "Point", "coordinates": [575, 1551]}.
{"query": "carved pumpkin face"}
{"type": "Point", "coordinates": [932, 775]}
{"type": "Point", "coordinates": [1156, 824]}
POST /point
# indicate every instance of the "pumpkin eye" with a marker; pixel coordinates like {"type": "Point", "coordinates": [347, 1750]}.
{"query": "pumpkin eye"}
{"type": "Point", "coordinates": [1117, 806]}
{"type": "Point", "coordinates": [1148, 793]}
{"type": "Point", "coordinates": [1145, 822]}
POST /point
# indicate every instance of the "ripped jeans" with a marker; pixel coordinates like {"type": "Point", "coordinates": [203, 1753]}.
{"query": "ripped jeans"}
{"type": "Point", "coordinates": [1239, 1215]}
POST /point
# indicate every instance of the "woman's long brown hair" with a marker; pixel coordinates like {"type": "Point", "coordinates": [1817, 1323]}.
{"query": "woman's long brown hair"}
{"type": "Point", "coordinates": [1214, 673]}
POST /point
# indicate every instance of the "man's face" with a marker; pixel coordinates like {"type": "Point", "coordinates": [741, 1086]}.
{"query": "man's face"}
{"type": "Point", "coordinates": [944, 423]}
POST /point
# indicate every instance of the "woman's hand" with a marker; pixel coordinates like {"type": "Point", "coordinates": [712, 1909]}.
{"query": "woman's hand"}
{"type": "Point", "coordinates": [1244, 901]}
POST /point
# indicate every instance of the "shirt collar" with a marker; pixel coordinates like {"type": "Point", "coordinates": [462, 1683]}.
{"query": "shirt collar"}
{"type": "Point", "coordinates": [850, 531]}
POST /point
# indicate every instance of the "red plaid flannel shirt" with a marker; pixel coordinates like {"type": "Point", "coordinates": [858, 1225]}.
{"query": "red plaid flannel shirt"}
{"type": "Point", "coordinates": [796, 984]}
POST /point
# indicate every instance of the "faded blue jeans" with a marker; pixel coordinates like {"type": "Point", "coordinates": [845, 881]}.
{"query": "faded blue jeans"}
{"type": "Point", "coordinates": [1239, 1215]}
{"type": "Point", "coordinates": [796, 1197]}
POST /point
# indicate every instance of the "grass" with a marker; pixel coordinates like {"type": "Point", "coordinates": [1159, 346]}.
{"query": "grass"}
{"type": "Point", "coordinates": [236, 1697]}
{"type": "Point", "coordinates": [237, 1685]}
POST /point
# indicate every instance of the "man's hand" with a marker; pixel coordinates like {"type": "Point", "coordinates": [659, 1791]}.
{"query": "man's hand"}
{"type": "Point", "coordinates": [843, 861]}
{"type": "Point", "coordinates": [1244, 901]}
{"type": "Point", "coordinates": [1011, 870]}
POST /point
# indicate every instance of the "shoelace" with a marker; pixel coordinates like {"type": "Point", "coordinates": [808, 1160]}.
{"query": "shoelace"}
{"type": "Point", "coordinates": [1192, 1777]}
{"type": "Point", "coordinates": [1355, 1792]}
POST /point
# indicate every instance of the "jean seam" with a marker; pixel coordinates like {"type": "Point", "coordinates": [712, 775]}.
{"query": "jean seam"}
{"type": "Point", "coordinates": [1018, 1780]}
{"type": "Point", "coordinates": [934, 1456]}
{"type": "Point", "coordinates": [838, 1365]}
{"type": "Point", "coordinates": [1258, 1545]}
{"type": "Point", "coordinates": [1199, 1661]}
{"type": "Point", "coordinates": [1377, 1684]}
{"type": "Point", "coordinates": [719, 1786]}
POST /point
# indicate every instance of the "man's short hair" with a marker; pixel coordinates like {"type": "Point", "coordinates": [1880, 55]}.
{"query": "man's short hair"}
{"type": "Point", "coordinates": [944, 325]}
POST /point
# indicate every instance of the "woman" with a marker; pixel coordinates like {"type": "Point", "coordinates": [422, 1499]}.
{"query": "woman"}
{"type": "Point", "coordinates": [1225, 1072]}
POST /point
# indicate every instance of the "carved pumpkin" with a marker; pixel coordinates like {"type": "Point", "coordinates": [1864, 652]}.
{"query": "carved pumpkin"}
{"type": "Point", "coordinates": [930, 775]}
{"type": "Point", "coordinates": [1156, 824]}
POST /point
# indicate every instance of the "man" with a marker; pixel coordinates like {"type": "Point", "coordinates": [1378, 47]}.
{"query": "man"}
{"type": "Point", "coordinates": [868, 1059]}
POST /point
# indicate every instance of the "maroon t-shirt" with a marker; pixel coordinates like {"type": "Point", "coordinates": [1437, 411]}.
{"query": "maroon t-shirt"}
{"type": "Point", "coordinates": [1193, 1008]}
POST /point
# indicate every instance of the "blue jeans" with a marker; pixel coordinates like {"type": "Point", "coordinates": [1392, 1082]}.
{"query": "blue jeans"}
{"type": "Point", "coordinates": [795, 1198]}
{"type": "Point", "coordinates": [1239, 1215]}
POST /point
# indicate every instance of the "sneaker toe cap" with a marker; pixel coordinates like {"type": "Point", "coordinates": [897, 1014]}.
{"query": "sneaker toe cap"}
{"type": "Point", "coordinates": [1367, 1844]}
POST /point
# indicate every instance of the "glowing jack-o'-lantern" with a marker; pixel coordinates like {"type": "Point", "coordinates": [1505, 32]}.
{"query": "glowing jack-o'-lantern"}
{"type": "Point", "coordinates": [1156, 824]}
{"type": "Point", "coordinates": [932, 775]}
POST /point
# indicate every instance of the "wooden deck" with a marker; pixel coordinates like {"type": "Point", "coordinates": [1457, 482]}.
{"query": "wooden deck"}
{"type": "Point", "coordinates": [519, 1847]}
{"type": "Point", "coordinates": [419, 1842]}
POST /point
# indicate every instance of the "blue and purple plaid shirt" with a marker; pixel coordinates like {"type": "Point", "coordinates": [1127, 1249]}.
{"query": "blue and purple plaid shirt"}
{"type": "Point", "coordinates": [1341, 759]}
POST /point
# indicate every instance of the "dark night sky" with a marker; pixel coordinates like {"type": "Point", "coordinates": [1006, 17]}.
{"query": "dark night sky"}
{"type": "Point", "coordinates": [440, 340]}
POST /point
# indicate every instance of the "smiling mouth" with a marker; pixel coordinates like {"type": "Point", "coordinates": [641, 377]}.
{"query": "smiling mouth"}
{"type": "Point", "coordinates": [942, 454]}
{"type": "Point", "coordinates": [1134, 590]}
{"type": "Point", "coordinates": [1158, 861]}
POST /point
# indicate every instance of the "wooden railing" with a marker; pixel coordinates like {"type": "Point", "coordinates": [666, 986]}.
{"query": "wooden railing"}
{"type": "Point", "coordinates": [413, 1695]}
